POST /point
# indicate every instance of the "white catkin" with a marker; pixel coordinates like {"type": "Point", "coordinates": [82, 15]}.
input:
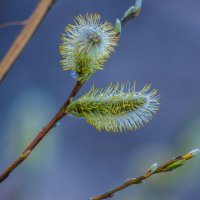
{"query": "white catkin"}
{"type": "Point", "coordinates": [119, 107]}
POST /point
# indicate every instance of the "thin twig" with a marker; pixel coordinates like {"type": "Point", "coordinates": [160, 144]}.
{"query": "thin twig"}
{"type": "Point", "coordinates": [24, 36]}
{"type": "Point", "coordinates": [60, 114]}
{"type": "Point", "coordinates": [169, 166]}
{"type": "Point", "coordinates": [13, 23]}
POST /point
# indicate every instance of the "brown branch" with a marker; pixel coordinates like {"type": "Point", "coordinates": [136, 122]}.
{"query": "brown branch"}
{"type": "Point", "coordinates": [13, 23]}
{"type": "Point", "coordinates": [169, 166]}
{"type": "Point", "coordinates": [60, 114]}
{"type": "Point", "coordinates": [24, 36]}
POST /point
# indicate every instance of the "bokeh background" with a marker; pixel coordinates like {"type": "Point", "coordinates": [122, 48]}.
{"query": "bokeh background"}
{"type": "Point", "coordinates": [161, 46]}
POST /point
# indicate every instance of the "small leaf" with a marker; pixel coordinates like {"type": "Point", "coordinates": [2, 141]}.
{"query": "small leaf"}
{"type": "Point", "coordinates": [132, 12]}
{"type": "Point", "coordinates": [138, 4]}
{"type": "Point", "coordinates": [194, 152]}
{"type": "Point", "coordinates": [118, 27]}
{"type": "Point", "coordinates": [175, 165]}
{"type": "Point", "coordinates": [191, 154]}
{"type": "Point", "coordinates": [129, 12]}
{"type": "Point", "coordinates": [153, 168]}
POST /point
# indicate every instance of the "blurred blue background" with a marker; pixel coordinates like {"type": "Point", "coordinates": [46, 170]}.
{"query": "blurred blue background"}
{"type": "Point", "coordinates": [161, 46]}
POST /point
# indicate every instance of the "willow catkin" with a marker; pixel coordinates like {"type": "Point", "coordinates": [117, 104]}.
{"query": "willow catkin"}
{"type": "Point", "coordinates": [119, 107]}
{"type": "Point", "coordinates": [87, 44]}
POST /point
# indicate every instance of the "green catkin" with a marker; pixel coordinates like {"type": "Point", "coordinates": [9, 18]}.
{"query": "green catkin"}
{"type": "Point", "coordinates": [87, 45]}
{"type": "Point", "coordinates": [119, 107]}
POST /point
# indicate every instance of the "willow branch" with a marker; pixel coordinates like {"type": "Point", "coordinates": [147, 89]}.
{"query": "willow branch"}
{"type": "Point", "coordinates": [52, 123]}
{"type": "Point", "coordinates": [169, 166]}
{"type": "Point", "coordinates": [24, 36]}
{"type": "Point", "coordinates": [13, 23]}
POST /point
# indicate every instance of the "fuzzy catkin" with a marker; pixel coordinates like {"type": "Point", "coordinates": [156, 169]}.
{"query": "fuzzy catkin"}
{"type": "Point", "coordinates": [87, 44]}
{"type": "Point", "coordinates": [119, 107]}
